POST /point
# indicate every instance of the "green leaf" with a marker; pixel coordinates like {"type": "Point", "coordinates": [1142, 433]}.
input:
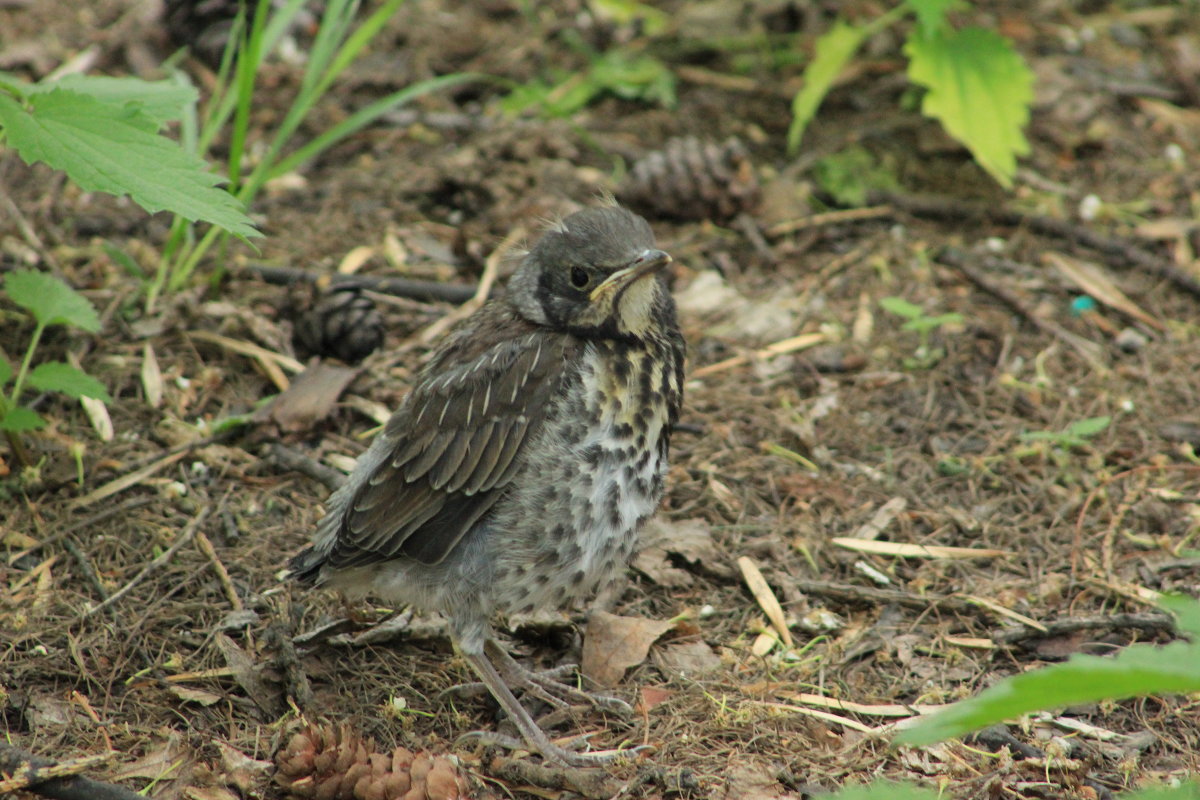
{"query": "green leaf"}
{"type": "Point", "coordinates": [1139, 669]}
{"type": "Point", "coordinates": [901, 307]}
{"type": "Point", "coordinates": [104, 148]}
{"type": "Point", "coordinates": [21, 419]}
{"type": "Point", "coordinates": [931, 14]}
{"type": "Point", "coordinates": [884, 790]}
{"type": "Point", "coordinates": [979, 89]}
{"type": "Point", "coordinates": [161, 101]}
{"type": "Point", "coordinates": [50, 300]}
{"type": "Point", "coordinates": [55, 376]}
{"type": "Point", "coordinates": [6, 371]}
{"type": "Point", "coordinates": [851, 173]}
{"type": "Point", "coordinates": [1186, 791]}
{"type": "Point", "coordinates": [1088, 427]}
{"type": "Point", "coordinates": [834, 49]}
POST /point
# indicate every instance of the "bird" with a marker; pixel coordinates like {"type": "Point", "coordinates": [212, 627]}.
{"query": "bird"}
{"type": "Point", "coordinates": [531, 448]}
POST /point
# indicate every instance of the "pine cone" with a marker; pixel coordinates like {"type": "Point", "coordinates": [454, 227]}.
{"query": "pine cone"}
{"type": "Point", "coordinates": [344, 323]}
{"type": "Point", "coordinates": [326, 763]}
{"type": "Point", "coordinates": [693, 180]}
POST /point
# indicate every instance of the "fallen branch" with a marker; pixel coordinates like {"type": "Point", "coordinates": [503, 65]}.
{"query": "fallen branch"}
{"type": "Point", "coordinates": [424, 291]}
{"type": "Point", "coordinates": [59, 780]}
{"type": "Point", "coordinates": [1118, 252]}
{"type": "Point", "coordinates": [1150, 622]}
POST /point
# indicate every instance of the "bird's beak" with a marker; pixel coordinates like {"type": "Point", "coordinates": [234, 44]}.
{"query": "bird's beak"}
{"type": "Point", "coordinates": [648, 263]}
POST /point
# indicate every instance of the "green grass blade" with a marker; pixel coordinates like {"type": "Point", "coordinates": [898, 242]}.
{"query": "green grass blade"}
{"type": "Point", "coordinates": [365, 116]}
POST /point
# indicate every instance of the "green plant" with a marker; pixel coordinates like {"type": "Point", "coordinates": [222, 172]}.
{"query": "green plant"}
{"type": "Point", "coordinates": [338, 43]}
{"type": "Point", "coordinates": [1074, 435]}
{"type": "Point", "coordinates": [618, 72]}
{"type": "Point", "coordinates": [851, 173]}
{"type": "Point", "coordinates": [1140, 669]}
{"type": "Point", "coordinates": [887, 790]}
{"type": "Point", "coordinates": [103, 132]}
{"type": "Point", "coordinates": [917, 320]}
{"type": "Point", "coordinates": [50, 302]}
{"type": "Point", "coordinates": [975, 83]}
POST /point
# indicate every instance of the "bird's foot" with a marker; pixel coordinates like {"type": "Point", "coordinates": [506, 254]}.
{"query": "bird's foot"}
{"type": "Point", "coordinates": [569, 754]}
{"type": "Point", "coordinates": [549, 687]}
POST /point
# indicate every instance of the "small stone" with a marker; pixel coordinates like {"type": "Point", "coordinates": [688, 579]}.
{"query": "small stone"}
{"type": "Point", "coordinates": [1131, 340]}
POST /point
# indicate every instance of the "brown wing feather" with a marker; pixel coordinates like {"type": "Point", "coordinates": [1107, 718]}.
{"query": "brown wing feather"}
{"type": "Point", "coordinates": [455, 442]}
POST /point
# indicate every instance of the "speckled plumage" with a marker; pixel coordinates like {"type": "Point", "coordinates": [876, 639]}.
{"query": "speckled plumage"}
{"type": "Point", "coordinates": [532, 447]}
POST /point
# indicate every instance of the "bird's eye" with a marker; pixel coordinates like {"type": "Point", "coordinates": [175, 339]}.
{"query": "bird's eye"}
{"type": "Point", "coordinates": [580, 277]}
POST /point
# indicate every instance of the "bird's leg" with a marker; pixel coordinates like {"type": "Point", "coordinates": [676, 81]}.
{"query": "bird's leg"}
{"type": "Point", "coordinates": [534, 736]}
{"type": "Point", "coordinates": [548, 686]}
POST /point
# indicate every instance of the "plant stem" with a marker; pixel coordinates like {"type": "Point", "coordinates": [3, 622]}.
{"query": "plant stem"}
{"type": "Point", "coordinates": [25, 362]}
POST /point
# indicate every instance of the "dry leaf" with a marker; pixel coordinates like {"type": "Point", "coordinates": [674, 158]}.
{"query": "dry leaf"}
{"type": "Point", "coordinates": [198, 696]}
{"type": "Point", "coordinates": [310, 397]}
{"type": "Point", "coordinates": [246, 674]}
{"type": "Point", "coordinates": [690, 539]}
{"type": "Point", "coordinates": [1095, 282]}
{"type": "Point", "coordinates": [613, 644]}
{"type": "Point", "coordinates": [693, 659]}
{"type": "Point", "coordinates": [653, 696]}
{"type": "Point", "coordinates": [152, 381]}
{"type": "Point", "coordinates": [242, 771]}
{"type": "Point", "coordinates": [97, 414]}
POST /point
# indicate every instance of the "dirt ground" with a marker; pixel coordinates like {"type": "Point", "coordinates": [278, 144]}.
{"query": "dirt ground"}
{"type": "Point", "coordinates": [794, 459]}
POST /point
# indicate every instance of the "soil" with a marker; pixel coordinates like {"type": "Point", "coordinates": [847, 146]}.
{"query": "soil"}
{"type": "Point", "coordinates": [190, 677]}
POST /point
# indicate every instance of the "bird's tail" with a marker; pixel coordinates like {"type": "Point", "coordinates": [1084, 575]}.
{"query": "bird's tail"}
{"type": "Point", "coordinates": [305, 566]}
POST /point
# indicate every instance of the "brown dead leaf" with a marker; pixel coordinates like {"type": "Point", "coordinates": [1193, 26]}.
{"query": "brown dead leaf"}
{"type": "Point", "coordinates": [653, 696]}
{"type": "Point", "coordinates": [167, 760]}
{"type": "Point", "coordinates": [248, 775]}
{"type": "Point", "coordinates": [689, 539]}
{"type": "Point", "coordinates": [310, 397]}
{"type": "Point", "coordinates": [613, 644]}
{"type": "Point", "coordinates": [210, 793]}
{"type": "Point", "coordinates": [755, 782]}
{"type": "Point", "coordinates": [198, 696]}
{"type": "Point", "coordinates": [692, 659]}
{"type": "Point", "coordinates": [247, 675]}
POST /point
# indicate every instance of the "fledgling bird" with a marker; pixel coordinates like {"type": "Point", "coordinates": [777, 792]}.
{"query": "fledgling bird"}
{"type": "Point", "coordinates": [518, 471]}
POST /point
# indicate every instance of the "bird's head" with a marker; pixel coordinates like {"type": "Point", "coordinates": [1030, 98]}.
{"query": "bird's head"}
{"type": "Point", "coordinates": [595, 273]}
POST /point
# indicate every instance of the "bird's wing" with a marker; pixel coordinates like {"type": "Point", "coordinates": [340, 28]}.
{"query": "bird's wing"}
{"type": "Point", "coordinates": [451, 449]}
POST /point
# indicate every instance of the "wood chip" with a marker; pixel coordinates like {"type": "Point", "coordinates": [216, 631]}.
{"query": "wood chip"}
{"type": "Point", "coordinates": [125, 481]}
{"type": "Point", "coordinates": [867, 709]}
{"type": "Point", "coordinates": [765, 597]}
{"type": "Point", "coordinates": [792, 345]}
{"type": "Point", "coordinates": [1005, 612]}
{"type": "Point", "coordinates": [880, 519]}
{"type": "Point", "coordinates": [853, 725]}
{"type": "Point", "coordinates": [906, 550]}
{"type": "Point", "coordinates": [152, 380]}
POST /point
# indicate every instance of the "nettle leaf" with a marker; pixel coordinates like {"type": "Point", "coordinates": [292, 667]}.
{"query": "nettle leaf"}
{"type": "Point", "coordinates": [1139, 669]}
{"type": "Point", "coordinates": [160, 101]}
{"type": "Point", "coordinates": [931, 14]}
{"type": "Point", "coordinates": [833, 50]}
{"type": "Point", "coordinates": [55, 376]}
{"type": "Point", "coordinates": [50, 300]}
{"type": "Point", "coordinates": [21, 419]}
{"type": "Point", "coordinates": [979, 88]}
{"type": "Point", "coordinates": [107, 148]}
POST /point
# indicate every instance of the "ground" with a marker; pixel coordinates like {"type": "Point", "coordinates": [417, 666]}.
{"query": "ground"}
{"type": "Point", "coordinates": [789, 461]}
